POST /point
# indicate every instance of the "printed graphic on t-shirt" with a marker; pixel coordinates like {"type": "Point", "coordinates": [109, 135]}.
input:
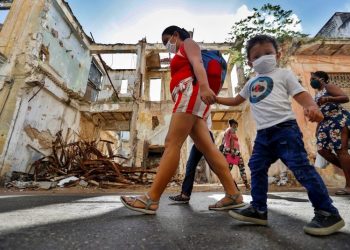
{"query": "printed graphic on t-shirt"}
{"type": "Point", "coordinates": [260, 88]}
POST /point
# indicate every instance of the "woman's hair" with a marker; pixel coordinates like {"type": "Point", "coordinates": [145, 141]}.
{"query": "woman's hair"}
{"type": "Point", "coordinates": [182, 32]}
{"type": "Point", "coordinates": [260, 39]}
{"type": "Point", "coordinates": [321, 74]}
{"type": "Point", "coordinates": [232, 122]}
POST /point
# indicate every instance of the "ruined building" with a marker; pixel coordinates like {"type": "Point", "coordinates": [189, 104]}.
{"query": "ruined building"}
{"type": "Point", "coordinates": [53, 79]}
{"type": "Point", "coordinates": [338, 26]}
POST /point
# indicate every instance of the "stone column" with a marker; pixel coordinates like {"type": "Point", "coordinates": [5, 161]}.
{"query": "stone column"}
{"type": "Point", "coordinates": [140, 71]}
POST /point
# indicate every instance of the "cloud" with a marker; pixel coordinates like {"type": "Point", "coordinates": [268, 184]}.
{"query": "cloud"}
{"type": "Point", "coordinates": [207, 27]}
{"type": "Point", "coordinates": [297, 27]}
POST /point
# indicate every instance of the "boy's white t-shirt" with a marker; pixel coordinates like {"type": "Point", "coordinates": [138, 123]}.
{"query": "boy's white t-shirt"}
{"type": "Point", "coordinates": [268, 95]}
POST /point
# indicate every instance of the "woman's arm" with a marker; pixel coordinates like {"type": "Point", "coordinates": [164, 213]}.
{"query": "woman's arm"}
{"type": "Point", "coordinates": [337, 95]}
{"type": "Point", "coordinates": [230, 101]}
{"type": "Point", "coordinates": [232, 142]}
{"type": "Point", "coordinates": [311, 109]}
{"type": "Point", "coordinates": [193, 53]}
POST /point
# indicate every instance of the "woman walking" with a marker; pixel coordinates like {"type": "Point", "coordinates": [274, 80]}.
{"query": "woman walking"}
{"type": "Point", "coordinates": [192, 103]}
{"type": "Point", "coordinates": [333, 131]}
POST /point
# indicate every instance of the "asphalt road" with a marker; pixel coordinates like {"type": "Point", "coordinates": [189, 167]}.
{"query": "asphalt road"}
{"type": "Point", "coordinates": [100, 222]}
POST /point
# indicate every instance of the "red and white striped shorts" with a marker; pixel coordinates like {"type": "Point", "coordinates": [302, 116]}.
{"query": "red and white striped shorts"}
{"type": "Point", "coordinates": [188, 100]}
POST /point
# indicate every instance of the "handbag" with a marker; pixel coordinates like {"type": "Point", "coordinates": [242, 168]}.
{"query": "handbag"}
{"type": "Point", "coordinates": [320, 162]}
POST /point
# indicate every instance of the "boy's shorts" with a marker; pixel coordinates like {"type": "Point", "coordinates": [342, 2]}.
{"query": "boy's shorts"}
{"type": "Point", "coordinates": [188, 100]}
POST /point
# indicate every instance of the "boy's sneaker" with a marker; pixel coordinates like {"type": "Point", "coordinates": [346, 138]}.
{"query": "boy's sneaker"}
{"type": "Point", "coordinates": [249, 214]}
{"type": "Point", "coordinates": [324, 223]}
{"type": "Point", "coordinates": [181, 198]}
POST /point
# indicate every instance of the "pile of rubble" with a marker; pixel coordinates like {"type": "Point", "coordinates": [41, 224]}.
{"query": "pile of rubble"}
{"type": "Point", "coordinates": [80, 163]}
{"type": "Point", "coordinates": [285, 178]}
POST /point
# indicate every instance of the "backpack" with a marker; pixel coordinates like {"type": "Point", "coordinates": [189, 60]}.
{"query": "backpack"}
{"type": "Point", "coordinates": [216, 68]}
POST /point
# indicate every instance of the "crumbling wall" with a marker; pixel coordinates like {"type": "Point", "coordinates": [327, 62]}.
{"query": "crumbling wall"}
{"type": "Point", "coordinates": [165, 85]}
{"type": "Point", "coordinates": [146, 129]}
{"type": "Point", "coordinates": [67, 55]}
{"type": "Point", "coordinates": [90, 130]}
{"type": "Point", "coordinates": [107, 92]}
{"type": "Point", "coordinates": [54, 66]}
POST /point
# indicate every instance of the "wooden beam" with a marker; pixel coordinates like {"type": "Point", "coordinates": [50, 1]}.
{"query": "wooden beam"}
{"type": "Point", "coordinates": [160, 48]}
{"type": "Point", "coordinates": [220, 108]}
{"type": "Point", "coordinates": [217, 116]}
{"type": "Point", "coordinates": [98, 48]}
{"type": "Point", "coordinates": [114, 116]}
{"type": "Point", "coordinates": [107, 107]}
{"type": "Point", "coordinates": [124, 116]}
{"type": "Point", "coordinates": [316, 46]}
{"type": "Point", "coordinates": [116, 125]}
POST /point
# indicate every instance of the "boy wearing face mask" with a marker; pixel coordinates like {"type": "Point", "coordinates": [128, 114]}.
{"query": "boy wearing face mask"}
{"type": "Point", "coordinates": [279, 137]}
{"type": "Point", "coordinates": [231, 150]}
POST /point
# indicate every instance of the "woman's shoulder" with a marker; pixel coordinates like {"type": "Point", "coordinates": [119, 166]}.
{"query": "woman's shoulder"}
{"type": "Point", "coordinates": [228, 131]}
{"type": "Point", "coordinates": [190, 44]}
{"type": "Point", "coordinates": [189, 41]}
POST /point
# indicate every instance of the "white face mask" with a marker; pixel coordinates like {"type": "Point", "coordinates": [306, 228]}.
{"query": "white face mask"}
{"type": "Point", "coordinates": [265, 64]}
{"type": "Point", "coordinates": [171, 47]}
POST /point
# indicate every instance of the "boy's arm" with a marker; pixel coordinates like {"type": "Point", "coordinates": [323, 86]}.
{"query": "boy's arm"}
{"type": "Point", "coordinates": [230, 101]}
{"type": "Point", "coordinates": [311, 109]}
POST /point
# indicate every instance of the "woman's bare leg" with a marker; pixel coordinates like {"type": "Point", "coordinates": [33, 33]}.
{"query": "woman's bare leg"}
{"type": "Point", "coordinates": [330, 157]}
{"type": "Point", "coordinates": [202, 140]}
{"type": "Point", "coordinates": [180, 127]}
{"type": "Point", "coordinates": [344, 157]}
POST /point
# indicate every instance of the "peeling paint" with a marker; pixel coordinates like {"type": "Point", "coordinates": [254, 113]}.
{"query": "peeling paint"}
{"type": "Point", "coordinates": [44, 138]}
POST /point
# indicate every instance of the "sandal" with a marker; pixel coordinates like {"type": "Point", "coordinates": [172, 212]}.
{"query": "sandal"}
{"type": "Point", "coordinates": [220, 205]}
{"type": "Point", "coordinates": [148, 203]}
{"type": "Point", "coordinates": [342, 192]}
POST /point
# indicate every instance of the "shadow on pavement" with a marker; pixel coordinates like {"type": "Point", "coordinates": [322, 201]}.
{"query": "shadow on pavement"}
{"type": "Point", "coordinates": [11, 203]}
{"type": "Point", "coordinates": [174, 227]}
{"type": "Point", "coordinates": [277, 197]}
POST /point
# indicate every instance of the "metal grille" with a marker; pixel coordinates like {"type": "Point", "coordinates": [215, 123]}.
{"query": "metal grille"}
{"type": "Point", "coordinates": [95, 76]}
{"type": "Point", "coordinates": [340, 79]}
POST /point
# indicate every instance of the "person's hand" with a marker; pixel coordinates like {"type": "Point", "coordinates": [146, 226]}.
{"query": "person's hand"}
{"type": "Point", "coordinates": [323, 100]}
{"type": "Point", "coordinates": [207, 95]}
{"type": "Point", "coordinates": [314, 114]}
